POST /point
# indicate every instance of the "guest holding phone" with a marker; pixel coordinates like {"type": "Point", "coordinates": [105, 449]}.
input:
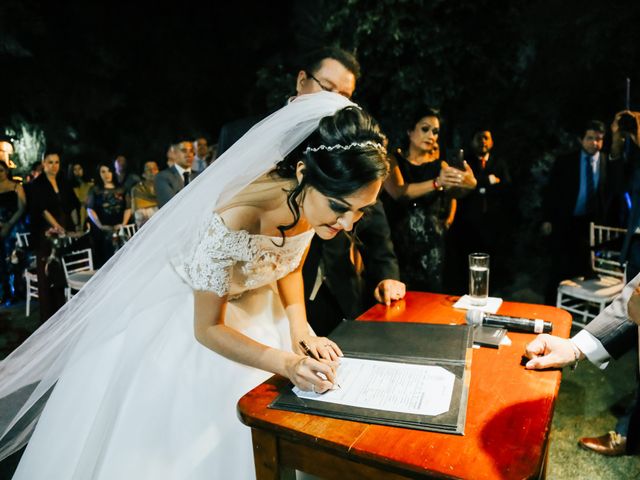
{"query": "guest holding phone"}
{"type": "Point", "coordinates": [423, 190]}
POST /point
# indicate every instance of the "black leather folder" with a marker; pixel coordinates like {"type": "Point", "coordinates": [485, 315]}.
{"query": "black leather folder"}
{"type": "Point", "coordinates": [447, 346]}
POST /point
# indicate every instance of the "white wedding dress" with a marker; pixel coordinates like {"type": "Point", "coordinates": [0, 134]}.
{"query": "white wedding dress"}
{"type": "Point", "coordinates": [175, 415]}
{"type": "Point", "coordinates": [133, 394]}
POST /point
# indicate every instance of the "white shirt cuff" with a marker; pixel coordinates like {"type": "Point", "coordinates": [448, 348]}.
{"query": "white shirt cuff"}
{"type": "Point", "coordinates": [592, 349]}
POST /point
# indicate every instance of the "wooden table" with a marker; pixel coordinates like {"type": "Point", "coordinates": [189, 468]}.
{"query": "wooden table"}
{"type": "Point", "coordinates": [507, 428]}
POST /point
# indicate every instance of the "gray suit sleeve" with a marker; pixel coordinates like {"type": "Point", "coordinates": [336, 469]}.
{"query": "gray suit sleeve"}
{"type": "Point", "coordinates": [164, 192]}
{"type": "Point", "coordinates": [613, 327]}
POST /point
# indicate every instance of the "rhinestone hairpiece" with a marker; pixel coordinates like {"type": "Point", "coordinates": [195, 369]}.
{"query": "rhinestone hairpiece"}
{"type": "Point", "coordinates": [368, 143]}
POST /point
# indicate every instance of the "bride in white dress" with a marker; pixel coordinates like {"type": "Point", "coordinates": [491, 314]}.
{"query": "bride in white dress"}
{"type": "Point", "coordinates": [210, 304]}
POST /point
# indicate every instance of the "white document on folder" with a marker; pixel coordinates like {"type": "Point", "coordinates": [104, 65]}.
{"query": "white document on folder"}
{"type": "Point", "coordinates": [392, 386]}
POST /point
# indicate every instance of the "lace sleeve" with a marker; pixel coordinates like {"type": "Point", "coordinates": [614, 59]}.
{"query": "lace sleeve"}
{"type": "Point", "coordinates": [209, 266]}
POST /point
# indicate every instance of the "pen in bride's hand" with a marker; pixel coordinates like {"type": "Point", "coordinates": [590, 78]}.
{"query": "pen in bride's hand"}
{"type": "Point", "coordinates": [309, 353]}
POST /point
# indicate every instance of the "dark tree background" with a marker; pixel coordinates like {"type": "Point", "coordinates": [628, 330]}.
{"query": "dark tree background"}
{"type": "Point", "coordinates": [107, 78]}
{"type": "Point", "coordinates": [531, 71]}
{"type": "Point", "coordinates": [114, 76]}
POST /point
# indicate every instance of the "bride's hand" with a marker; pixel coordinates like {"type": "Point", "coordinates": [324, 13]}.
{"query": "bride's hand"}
{"type": "Point", "coordinates": [307, 374]}
{"type": "Point", "coordinates": [321, 347]}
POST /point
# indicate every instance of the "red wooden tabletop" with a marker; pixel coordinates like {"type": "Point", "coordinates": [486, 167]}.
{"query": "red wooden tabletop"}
{"type": "Point", "coordinates": [508, 416]}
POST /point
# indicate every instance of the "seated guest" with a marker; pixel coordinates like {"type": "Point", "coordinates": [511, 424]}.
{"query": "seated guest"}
{"type": "Point", "coordinates": [144, 202]}
{"type": "Point", "coordinates": [53, 209]}
{"type": "Point", "coordinates": [423, 191]}
{"type": "Point", "coordinates": [108, 206]}
{"type": "Point", "coordinates": [173, 179]}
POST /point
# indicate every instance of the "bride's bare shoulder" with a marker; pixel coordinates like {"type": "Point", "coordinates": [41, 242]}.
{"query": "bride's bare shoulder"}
{"type": "Point", "coordinates": [242, 218]}
{"type": "Point", "coordinates": [247, 209]}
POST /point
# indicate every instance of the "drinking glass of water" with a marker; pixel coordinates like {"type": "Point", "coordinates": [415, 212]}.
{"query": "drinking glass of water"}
{"type": "Point", "coordinates": [478, 278]}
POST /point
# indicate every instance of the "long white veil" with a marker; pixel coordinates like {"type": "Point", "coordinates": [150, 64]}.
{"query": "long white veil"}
{"type": "Point", "coordinates": [106, 308]}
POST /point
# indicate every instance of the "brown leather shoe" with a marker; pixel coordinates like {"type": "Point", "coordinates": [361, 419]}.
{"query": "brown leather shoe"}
{"type": "Point", "coordinates": [612, 444]}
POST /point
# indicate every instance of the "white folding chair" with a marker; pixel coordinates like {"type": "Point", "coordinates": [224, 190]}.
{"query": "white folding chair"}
{"type": "Point", "coordinates": [22, 240]}
{"type": "Point", "coordinates": [587, 297]}
{"type": "Point", "coordinates": [30, 276]}
{"type": "Point", "coordinates": [78, 270]}
{"type": "Point", "coordinates": [31, 280]}
{"type": "Point", "coordinates": [127, 231]}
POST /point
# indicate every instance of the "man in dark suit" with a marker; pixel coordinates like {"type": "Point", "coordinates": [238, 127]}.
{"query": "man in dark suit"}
{"type": "Point", "coordinates": [173, 179]}
{"type": "Point", "coordinates": [610, 334]}
{"type": "Point", "coordinates": [484, 216]}
{"type": "Point", "coordinates": [576, 195]}
{"type": "Point", "coordinates": [336, 285]}
{"type": "Point", "coordinates": [624, 173]}
{"type": "Point", "coordinates": [345, 276]}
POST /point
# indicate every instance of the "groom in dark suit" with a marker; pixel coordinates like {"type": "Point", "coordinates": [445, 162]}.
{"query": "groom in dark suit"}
{"type": "Point", "coordinates": [174, 178]}
{"type": "Point", "coordinates": [340, 279]}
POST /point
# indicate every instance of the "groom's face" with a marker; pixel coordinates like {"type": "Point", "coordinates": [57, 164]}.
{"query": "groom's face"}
{"type": "Point", "coordinates": [332, 76]}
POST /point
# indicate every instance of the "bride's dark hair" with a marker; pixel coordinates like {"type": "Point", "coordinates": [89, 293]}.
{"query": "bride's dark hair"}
{"type": "Point", "coordinates": [345, 153]}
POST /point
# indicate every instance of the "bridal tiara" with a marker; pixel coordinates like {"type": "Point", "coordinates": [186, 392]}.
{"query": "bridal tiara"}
{"type": "Point", "coordinates": [368, 143]}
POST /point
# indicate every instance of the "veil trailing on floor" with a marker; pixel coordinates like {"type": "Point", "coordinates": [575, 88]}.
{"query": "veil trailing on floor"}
{"type": "Point", "coordinates": [107, 307]}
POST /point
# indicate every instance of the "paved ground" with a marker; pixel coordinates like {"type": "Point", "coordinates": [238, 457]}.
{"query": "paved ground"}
{"type": "Point", "coordinates": [583, 408]}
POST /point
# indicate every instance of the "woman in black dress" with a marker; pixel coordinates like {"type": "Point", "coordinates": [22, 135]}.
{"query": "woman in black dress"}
{"type": "Point", "coordinates": [422, 205]}
{"type": "Point", "coordinates": [108, 207]}
{"type": "Point", "coordinates": [12, 206]}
